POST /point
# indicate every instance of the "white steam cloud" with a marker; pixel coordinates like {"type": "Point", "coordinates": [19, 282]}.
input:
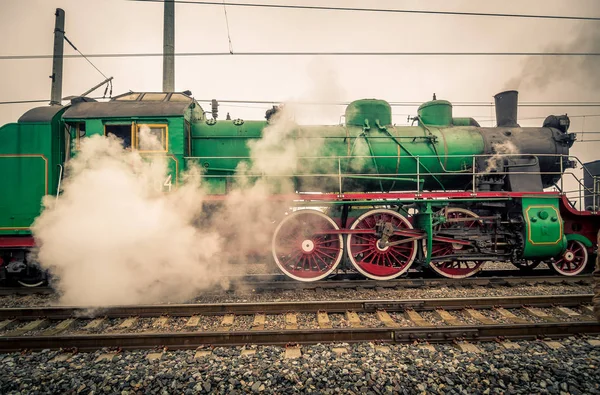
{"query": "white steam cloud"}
{"type": "Point", "coordinates": [115, 237]}
{"type": "Point", "coordinates": [501, 151]}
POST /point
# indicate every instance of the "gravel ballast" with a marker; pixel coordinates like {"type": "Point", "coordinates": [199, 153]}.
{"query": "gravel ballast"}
{"type": "Point", "coordinates": [302, 295]}
{"type": "Point", "coordinates": [341, 368]}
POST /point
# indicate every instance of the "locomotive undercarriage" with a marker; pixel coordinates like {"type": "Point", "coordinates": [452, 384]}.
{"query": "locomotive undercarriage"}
{"type": "Point", "coordinates": [16, 269]}
{"type": "Point", "coordinates": [384, 243]}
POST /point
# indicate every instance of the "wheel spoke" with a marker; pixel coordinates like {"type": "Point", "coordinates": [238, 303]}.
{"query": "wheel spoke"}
{"type": "Point", "coordinates": [368, 257]}
{"type": "Point", "coordinates": [300, 248]}
{"type": "Point", "coordinates": [450, 267]}
{"type": "Point", "coordinates": [573, 261]}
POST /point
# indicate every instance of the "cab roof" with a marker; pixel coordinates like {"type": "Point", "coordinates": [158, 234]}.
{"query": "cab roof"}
{"type": "Point", "coordinates": [132, 104]}
{"type": "Point", "coordinates": [40, 114]}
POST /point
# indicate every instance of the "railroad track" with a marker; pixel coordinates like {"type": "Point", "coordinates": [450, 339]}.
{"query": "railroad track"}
{"type": "Point", "coordinates": [262, 283]}
{"type": "Point", "coordinates": [187, 326]}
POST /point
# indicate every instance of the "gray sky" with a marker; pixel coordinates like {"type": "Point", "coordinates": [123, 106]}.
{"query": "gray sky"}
{"type": "Point", "coordinates": [119, 26]}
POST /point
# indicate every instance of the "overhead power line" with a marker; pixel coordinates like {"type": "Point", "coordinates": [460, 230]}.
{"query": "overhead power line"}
{"type": "Point", "coordinates": [24, 101]}
{"type": "Point", "coordinates": [381, 10]}
{"type": "Point", "coordinates": [38, 101]}
{"type": "Point", "coordinates": [412, 103]}
{"type": "Point", "coordinates": [392, 103]}
{"type": "Point", "coordinates": [308, 53]}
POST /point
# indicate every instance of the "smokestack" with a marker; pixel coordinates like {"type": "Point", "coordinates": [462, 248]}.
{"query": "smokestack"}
{"type": "Point", "coordinates": [169, 47]}
{"type": "Point", "coordinates": [57, 58]}
{"type": "Point", "coordinates": [506, 109]}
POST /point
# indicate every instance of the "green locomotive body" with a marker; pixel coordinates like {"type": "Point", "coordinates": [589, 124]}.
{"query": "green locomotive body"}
{"type": "Point", "coordinates": [441, 192]}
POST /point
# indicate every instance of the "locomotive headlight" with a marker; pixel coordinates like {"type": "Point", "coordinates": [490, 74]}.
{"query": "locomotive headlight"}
{"type": "Point", "coordinates": [560, 122]}
{"type": "Point", "coordinates": [564, 122]}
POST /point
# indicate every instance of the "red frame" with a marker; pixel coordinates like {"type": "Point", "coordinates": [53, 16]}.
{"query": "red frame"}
{"type": "Point", "coordinates": [585, 223]}
{"type": "Point", "coordinates": [17, 242]}
{"type": "Point", "coordinates": [397, 195]}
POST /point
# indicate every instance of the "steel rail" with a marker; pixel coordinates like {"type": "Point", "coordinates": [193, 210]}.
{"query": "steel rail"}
{"type": "Point", "coordinates": [409, 282]}
{"type": "Point", "coordinates": [190, 340]}
{"type": "Point", "coordinates": [358, 306]}
{"type": "Point", "coordinates": [271, 282]}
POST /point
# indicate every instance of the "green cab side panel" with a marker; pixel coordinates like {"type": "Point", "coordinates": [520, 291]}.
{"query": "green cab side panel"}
{"type": "Point", "coordinates": [27, 165]}
{"type": "Point", "coordinates": [218, 147]}
{"type": "Point", "coordinates": [21, 202]}
{"type": "Point", "coordinates": [543, 232]}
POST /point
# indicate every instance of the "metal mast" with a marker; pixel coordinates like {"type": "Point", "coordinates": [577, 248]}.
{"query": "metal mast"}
{"type": "Point", "coordinates": [169, 47]}
{"type": "Point", "coordinates": [57, 59]}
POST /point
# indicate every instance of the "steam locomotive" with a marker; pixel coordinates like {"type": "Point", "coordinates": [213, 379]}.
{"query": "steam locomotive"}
{"type": "Point", "coordinates": [444, 194]}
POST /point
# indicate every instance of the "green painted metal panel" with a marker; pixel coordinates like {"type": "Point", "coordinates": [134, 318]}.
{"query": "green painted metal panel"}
{"type": "Point", "coordinates": [436, 112]}
{"type": "Point", "coordinates": [376, 158]}
{"type": "Point", "coordinates": [219, 148]}
{"type": "Point", "coordinates": [577, 237]}
{"type": "Point", "coordinates": [543, 231]}
{"type": "Point", "coordinates": [29, 155]}
{"type": "Point", "coordinates": [24, 185]}
{"type": "Point", "coordinates": [176, 136]}
{"type": "Point", "coordinates": [368, 112]}
{"type": "Point", "coordinates": [463, 121]}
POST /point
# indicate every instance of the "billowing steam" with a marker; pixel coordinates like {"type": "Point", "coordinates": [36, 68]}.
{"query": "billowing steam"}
{"type": "Point", "coordinates": [500, 152]}
{"type": "Point", "coordinates": [543, 72]}
{"type": "Point", "coordinates": [115, 237]}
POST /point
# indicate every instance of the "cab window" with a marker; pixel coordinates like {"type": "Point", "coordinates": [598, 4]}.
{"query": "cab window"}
{"type": "Point", "coordinates": [123, 132]}
{"type": "Point", "coordinates": [77, 130]}
{"type": "Point", "coordinates": [151, 137]}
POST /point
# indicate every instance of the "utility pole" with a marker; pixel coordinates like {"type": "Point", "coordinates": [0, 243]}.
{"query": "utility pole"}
{"type": "Point", "coordinates": [169, 47]}
{"type": "Point", "coordinates": [57, 58]}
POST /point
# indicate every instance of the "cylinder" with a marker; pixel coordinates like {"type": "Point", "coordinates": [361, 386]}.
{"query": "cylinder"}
{"type": "Point", "coordinates": [506, 109]}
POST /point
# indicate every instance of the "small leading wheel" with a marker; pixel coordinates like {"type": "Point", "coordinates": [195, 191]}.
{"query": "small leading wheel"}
{"type": "Point", "coordinates": [31, 283]}
{"type": "Point", "coordinates": [453, 268]}
{"type": "Point", "coordinates": [305, 247]}
{"type": "Point", "coordinates": [572, 261]}
{"type": "Point", "coordinates": [369, 258]}
{"type": "Point", "coordinates": [26, 274]}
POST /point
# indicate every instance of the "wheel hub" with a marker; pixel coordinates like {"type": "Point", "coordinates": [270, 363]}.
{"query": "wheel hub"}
{"type": "Point", "coordinates": [308, 246]}
{"type": "Point", "coordinates": [569, 256]}
{"type": "Point", "coordinates": [379, 245]}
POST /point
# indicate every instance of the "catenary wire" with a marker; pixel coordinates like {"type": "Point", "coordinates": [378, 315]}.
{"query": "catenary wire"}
{"type": "Point", "coordinates": [415, 104]}
{"type": "Point", "coordinates": [227, 24]}
{"type": "Point", "coordinates": [393, 104]}
{"type": "Point", "coordinates": [381, 10]}
{"type": "Point", "coordinates": [306, 53]}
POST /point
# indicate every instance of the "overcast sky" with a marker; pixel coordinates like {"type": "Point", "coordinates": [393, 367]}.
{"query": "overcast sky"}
{"type": "Point", "coordinates": [120, 26]}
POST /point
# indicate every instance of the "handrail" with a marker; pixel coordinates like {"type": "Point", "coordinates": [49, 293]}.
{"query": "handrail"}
{"type": "Point", "coordinates": [60, 173]}
{"type": "Point", "coordinates": [336, 171]}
